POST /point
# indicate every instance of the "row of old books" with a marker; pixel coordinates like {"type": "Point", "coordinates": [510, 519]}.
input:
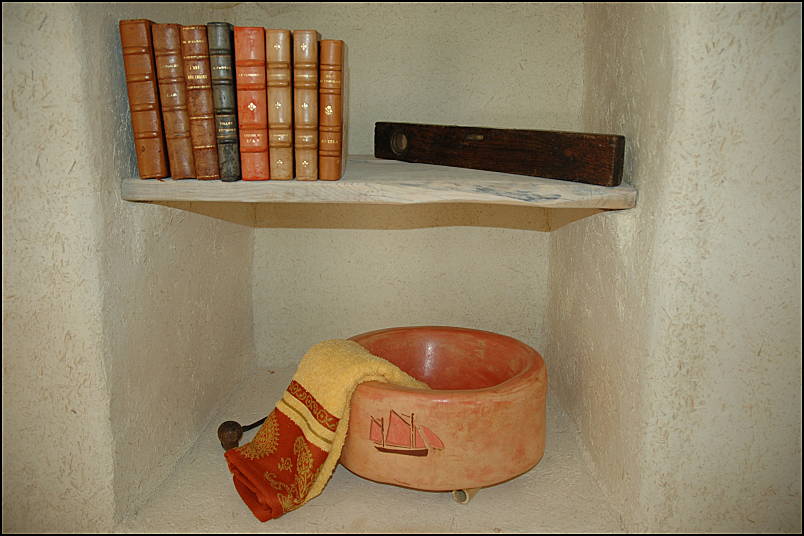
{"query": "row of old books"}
{"type": "Point", "coordinates": [224, 102]}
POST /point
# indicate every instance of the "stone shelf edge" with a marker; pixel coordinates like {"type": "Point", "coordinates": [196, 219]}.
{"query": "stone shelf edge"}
{"type": "Point", "coordinates": [374, 181]}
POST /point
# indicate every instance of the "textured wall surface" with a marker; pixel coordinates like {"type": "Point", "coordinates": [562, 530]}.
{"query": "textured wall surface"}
{"type": "Point", "coordinates": [598, 317]}
{"type": "Point", "coordinates": [494, 65]}
{"type": "Point", "coordinates": [124, 324]}
{"type": "Point", "coordinates": [319, 284]}
{"type": "Point", "coordinates": [57, 445]}
{"type": "Point", "coordinates": [177, 297]}
{"type": "Point", "coordinates": [678, 348]}
{"type": "Point", "coordinates": [57, 450]}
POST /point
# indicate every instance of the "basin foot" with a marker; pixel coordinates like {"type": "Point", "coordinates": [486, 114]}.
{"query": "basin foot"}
{"type": "Point", "coordinates": [463, 496]}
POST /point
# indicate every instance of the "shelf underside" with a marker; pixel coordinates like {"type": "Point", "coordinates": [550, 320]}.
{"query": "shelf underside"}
{"type": "Point", "coordinates": [374, 181]}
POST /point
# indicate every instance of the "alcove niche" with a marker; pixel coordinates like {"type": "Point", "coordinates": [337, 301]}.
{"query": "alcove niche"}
{"type": "Point", "coordinates": [322, 270]}
{"type": "Point", "coordinates": [194, 310]}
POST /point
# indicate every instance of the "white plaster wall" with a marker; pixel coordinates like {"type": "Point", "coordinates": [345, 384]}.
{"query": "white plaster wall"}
{"type": "Point", "coordinates": [508, 65]}
{"type": "Point", "coordinates": [598, 319]}
{"type": "Point", "coordinates": [678, 348]}
{"type": "Point", "coordinates": [124, 324]}
{"type": "Point", "coordinates": [57, 443]}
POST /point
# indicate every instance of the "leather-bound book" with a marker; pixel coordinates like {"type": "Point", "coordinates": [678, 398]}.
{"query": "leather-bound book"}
{"type": "Point", "coordinates": [252, 107]}
{"type": "Point", "coordinates": [330, 110]}
{"type": "Point", "coordinates": [195, 53]}
{"type": "Point", "coordinates": [278, 54]}
{"type": "Point", "coordinates": [221, 62]}
{"type": "Point", "coordinates": [143, 98]}
{"type": "Point", "coordinates": [305, 103]}
{"type": "Point", "coordinates": [173, 96]}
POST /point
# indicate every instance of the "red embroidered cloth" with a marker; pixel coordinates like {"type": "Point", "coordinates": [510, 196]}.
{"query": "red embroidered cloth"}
{"type": "Point", "coordinates": [296, 449]}
{"type": "Point", "coordinates": [274, 472]}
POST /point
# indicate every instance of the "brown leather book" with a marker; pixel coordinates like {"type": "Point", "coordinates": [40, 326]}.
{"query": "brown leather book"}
{"type": "Point", "coordinates": [305, 103]}
{"type": "Point", "coordinates": [173, 96]}
{"type": "Point", "coordinates": [143, 98]}
{"type": "Point", "coordinates": [195, 53]}
{"type": "Point", "coordinates": [330, 110]}
{"type": "Point", "coordinates": [278, 54]}
{"type": "Point", "coordinates": [252, 107]}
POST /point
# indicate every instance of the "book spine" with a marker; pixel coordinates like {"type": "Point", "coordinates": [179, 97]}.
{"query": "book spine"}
{"type": "Point", "coordinates": [252, 99]}
{"type": "Point", "coordinates": [330, 115]}
{"type": "Point", "coordinates": [305, 103]}
{"type": "Point", "coordinates": [278, 54]}
{"type": "Point", "coordinates": [195, 53]}
{"type": "Point", "coordinates": [173, 96]}
{"type": "Point", "coordinates": [143, 98]}
{"type": "Point", "coordinates": [221, 62]}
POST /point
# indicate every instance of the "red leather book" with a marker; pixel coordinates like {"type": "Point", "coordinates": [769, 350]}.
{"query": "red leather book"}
{"type": "Point", "coordinates": [195, 53]}
{"type": "Point", "coordinates": [252, 104]}
{"type": "Point", "coordinates": [143, 98]}
{"type": "Point", "coordinates": [278, 54]}
{"type": "Point", "coordinates": [173, 96]}
{"type": "Point", "coordinates": [305, 103]}
{"type": "Point", "coordinates": [330, 110]}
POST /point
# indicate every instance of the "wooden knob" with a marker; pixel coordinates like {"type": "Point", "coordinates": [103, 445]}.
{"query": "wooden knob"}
{"type": "Point", "coordinates": [229, 434]}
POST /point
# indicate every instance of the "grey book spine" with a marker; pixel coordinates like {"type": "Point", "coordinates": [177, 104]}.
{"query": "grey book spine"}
{"type": "Point", "coordinates": [221, 59]}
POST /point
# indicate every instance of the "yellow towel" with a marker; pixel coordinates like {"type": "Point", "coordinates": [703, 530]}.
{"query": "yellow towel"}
{"type": "Point", "coordinates": [292, 456]}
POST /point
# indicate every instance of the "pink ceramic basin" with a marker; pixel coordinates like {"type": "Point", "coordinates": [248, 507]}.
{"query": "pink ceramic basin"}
{"type": "Point", "coordinates": [482, 423]}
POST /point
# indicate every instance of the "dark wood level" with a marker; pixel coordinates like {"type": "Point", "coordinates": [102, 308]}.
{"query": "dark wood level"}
{"type": "Point", "coordinates": [572, 156]}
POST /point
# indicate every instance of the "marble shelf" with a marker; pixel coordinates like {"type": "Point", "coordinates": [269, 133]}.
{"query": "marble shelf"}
{"type": "Point", "coordinates": [374, 181]}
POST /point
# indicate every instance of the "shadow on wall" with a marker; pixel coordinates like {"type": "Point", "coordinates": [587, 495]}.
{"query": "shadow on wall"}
{"type": "Point", "coordinates": [383, 217]}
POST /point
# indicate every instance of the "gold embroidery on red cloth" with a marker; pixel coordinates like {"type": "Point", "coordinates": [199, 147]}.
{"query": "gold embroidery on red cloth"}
{"type": "Point", "coordinates": [284, 464]}
{"type": "Point", "coordinates": [265, 442]}
{"type": "Point", "coordinates": [325, 418]}
{"type": "Point", "coordinates": [296, 493]}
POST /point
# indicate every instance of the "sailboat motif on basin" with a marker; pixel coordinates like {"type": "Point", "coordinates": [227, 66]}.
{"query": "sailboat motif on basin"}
{"type": "Point", "coordinates": [403, 436]}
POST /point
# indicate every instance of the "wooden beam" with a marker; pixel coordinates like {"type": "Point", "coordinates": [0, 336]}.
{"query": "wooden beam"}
{"type": "Point", "coordinates": [572, 156]}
